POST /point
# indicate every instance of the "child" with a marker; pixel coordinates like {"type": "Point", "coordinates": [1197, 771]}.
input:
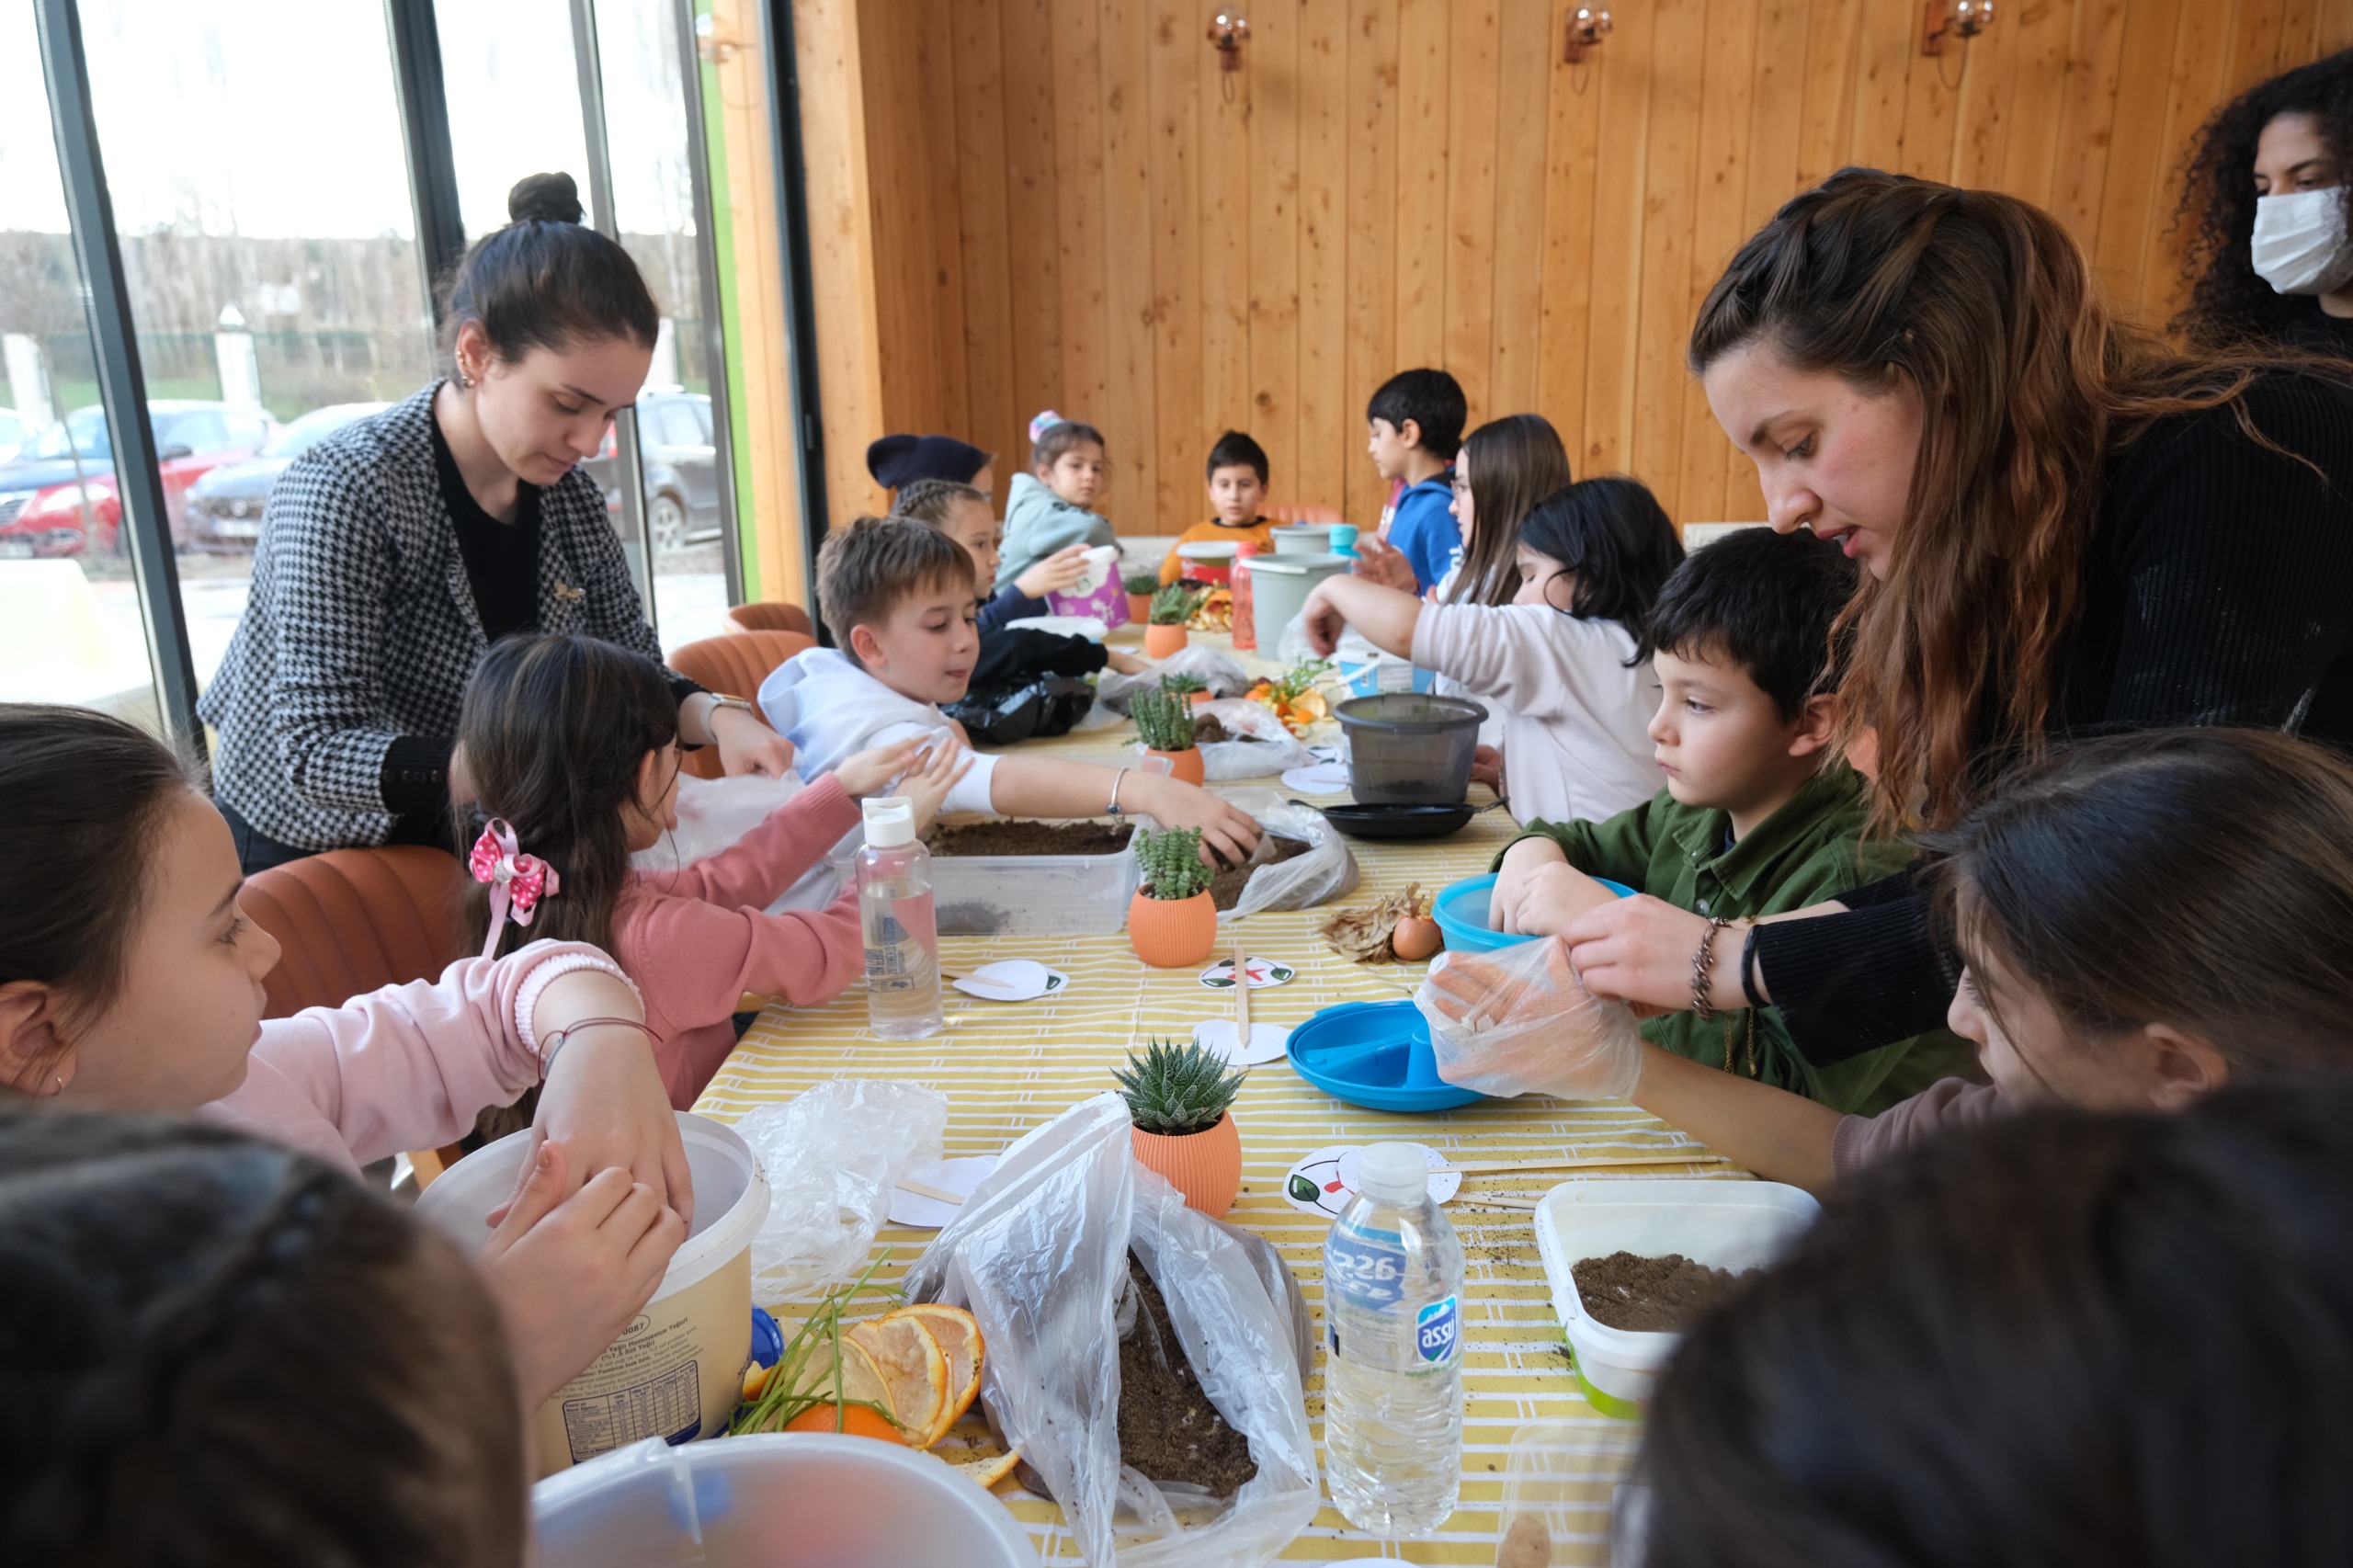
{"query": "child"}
{"type": "Point", "coordinates": [2071, 1338]}
{"type": "Point", "coordinates": [130, 981]}
{"type": "Point", "coordinates": [221, 1351]}
{"type": "Point", "coordinates": [2142, 918]}
{"type": "Point", "coordinates": [573, 746]}
{"type": "Point", "coordinates": [899, 462]}
{"type": "Point", "coordinates": [1237, 476]}
{"type": "Point", "coordinates": [1417, 421]}
{"type": "Point", "coordinates": [1048, 509]}
{"type": "Point", "coordinates": [1757, 816]}
{"type": "Point", "coordinates": [899, 599]}
{"type": "Point", "coordinates": [1563, 658]}
{"type": "Point", "coordinates": [1504, 468]}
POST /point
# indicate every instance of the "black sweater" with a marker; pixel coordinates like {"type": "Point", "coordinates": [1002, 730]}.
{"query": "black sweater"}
{"type": "Point", "coordinates": [2219, 591]}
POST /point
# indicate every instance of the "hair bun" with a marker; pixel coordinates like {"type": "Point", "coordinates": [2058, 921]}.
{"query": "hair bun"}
{"type": "Point", "coordinates": [546, 199]}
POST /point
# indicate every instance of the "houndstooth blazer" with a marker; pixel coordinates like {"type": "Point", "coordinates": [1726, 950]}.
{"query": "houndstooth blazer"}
{"type": "Point", "coordinates": [361, 626]}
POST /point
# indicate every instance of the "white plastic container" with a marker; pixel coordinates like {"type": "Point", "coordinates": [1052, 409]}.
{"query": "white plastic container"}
{"type": "Point", "coordinates": [1724, 1224]}
{"type": "Point", "coordinates": [676, 1371]}
{"type": "Point", "coordinates": [1279, 588]}
{"type": "Point", "coordinates": [774, 1500]}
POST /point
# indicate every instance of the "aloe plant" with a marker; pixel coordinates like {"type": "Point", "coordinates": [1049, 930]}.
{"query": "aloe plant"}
{"type": "Point", "coordinates": [1177, 604]}
{"type": "Point", "coordinates": [1177, 1089]}
{"type": "Point", "coordinates": [1172, 863]}
{"type": "Point", "coordinates": [1163, 719]}
{"type": "Point", "coordinates": [1183, 685]}
{"type": "Point", "coordinates": [1141, 582]}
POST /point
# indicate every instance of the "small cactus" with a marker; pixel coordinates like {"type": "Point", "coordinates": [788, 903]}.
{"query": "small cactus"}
{"type": "Point", "coordinates": [1172, 863]}
{"type": "Point", "coordinates": [1177, 604]}
{"type": "Point", "coordinates": [1163, 719]}
{"type": "Point", "coordinates": [1141, 582]}
{"type": "Point", "coordinates": [1183, 685]}
{"type": "Point", "coordinates": [1177, 1089]}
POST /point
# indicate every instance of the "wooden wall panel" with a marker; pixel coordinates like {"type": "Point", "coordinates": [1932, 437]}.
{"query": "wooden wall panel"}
{"type": "Point", "coordinates": [1020, 204]}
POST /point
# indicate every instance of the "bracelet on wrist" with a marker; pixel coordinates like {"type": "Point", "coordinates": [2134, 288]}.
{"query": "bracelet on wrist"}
{"type": "Point", "coordinates": [562, 1037]}
{"type": "Point", "coordinates": [1703, 971]}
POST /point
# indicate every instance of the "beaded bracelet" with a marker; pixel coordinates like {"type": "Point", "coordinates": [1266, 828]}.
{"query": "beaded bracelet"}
{"type": "Point", "coordinates": [557, 1041]}
{"type": "Point", "coordinates": [1703, 966]}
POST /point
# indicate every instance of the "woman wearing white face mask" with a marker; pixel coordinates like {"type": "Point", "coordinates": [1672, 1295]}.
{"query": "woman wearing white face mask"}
{"type": "Point", "coordinates": [2269, 255]}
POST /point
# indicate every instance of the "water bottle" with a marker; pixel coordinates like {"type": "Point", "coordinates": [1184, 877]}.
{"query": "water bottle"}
{"type": "Point", "coordinates": [1246, 633]}
{"type": "Point", "coordinates": [1393, 1368]}
{"type": "Point", "coordinates": [895, 912]}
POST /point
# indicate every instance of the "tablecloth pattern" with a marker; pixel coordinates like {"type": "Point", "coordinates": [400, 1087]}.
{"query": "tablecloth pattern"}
{"type": "Point", "coordinates": [1006, 1068]}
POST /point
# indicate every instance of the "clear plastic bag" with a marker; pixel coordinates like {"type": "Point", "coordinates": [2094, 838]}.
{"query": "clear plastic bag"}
{"type": "Point", "coordinates": [1261, 746]}
{"type": "Point", "coordinates": [1326, 873]}
{"type": "Point", "coordinates": [1039, 1256]}
{"type": "Point", "coordinates": [715, 812]}
{"type": "Point", "coordinates": [833, 1155]}
{"type": "Point", "coordinates": [1519, 1021]}
{"type": "Point", "coordinates": [1220, 671]}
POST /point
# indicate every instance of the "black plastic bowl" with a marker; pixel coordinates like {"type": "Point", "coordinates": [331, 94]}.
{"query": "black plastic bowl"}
{"type": "Point", "coordinates": [1396, 820]}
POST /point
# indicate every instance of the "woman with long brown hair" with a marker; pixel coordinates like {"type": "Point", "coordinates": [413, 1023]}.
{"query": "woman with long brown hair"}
{"type": "Point", "coordinates": [2065, 529]}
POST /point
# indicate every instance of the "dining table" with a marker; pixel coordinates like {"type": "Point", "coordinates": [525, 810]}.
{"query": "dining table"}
{"type": "Point", "coordinates": [1006, 1068]}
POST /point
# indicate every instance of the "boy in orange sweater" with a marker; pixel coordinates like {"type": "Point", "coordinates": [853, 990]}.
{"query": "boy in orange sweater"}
{"type": "Point", "coordinates": [1237, 476]}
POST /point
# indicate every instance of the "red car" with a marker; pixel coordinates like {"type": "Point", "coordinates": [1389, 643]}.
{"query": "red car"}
{"type": "Point", "coordinates": [59, 498]}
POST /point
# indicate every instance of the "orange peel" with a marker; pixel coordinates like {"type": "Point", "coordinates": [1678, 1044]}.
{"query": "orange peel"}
{"type": "Point", "coordinates": [958, 1338]}
{"type": "Point", "coordinates": [913, 1370]}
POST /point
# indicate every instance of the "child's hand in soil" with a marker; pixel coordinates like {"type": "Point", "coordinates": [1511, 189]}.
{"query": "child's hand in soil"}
{"type": "Point", "coordinates": [864, 772]}
{"type": "Point", "coordinates": [926, 788]}
{"type": "Point", "coordinates": [1228, 833]}
{"type": "Point", "coordinates": [1058, 574]}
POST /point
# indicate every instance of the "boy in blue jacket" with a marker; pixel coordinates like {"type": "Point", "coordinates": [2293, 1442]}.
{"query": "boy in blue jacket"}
{"type": "Point", "coordinates": [1417, 421]}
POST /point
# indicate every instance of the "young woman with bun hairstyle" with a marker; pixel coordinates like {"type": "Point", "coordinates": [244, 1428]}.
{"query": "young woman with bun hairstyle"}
{"type": "Point", "coordinates": [394, 553]}
{"type": "Point", "coordinates": [2065, 527]}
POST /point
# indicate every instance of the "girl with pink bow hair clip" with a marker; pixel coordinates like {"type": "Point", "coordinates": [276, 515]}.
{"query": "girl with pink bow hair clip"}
{"type": "Point", "coordinates": [516, 881]}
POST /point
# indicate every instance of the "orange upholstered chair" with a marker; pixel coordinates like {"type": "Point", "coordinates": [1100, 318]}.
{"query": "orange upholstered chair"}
{"type": "Point", "coordinates": [771, 614]}
{"type": "Point", "coordinates": [352, 921]}
{"type": "Point", "coordinates": [1304, 512]}
{"type": "Point", "coordinates": [734, 664]}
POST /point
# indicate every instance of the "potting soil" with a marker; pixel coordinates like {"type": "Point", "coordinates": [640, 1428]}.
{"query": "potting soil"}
{"type": "Point", "coordinates": [1015, 835]}
{"type": "Point", "coordinates": [1168, 1428]}
{"type": "Point", "coordinates": [1225, 887]}
{"type": "Point", "coordinates": [1651, 1295]}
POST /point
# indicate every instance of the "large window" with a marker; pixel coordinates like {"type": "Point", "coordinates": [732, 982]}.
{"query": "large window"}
{"type": "Point", "coordinates": [71, 629]}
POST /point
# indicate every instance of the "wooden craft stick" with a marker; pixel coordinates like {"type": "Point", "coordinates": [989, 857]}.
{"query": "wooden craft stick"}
{"type": "Point", "coordinates": [1495, 1202]}
{"type": "Point", "coordinates": [1496, 1168]}
{"type": "Point", "coordinates": [982, 980]}
{"type": "Point", "coordinates": [1241, 992]}
{"type": "Point", "coordinates": [925, 1189]}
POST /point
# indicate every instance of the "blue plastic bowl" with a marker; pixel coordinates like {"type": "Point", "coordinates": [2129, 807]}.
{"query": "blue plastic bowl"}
{"type": "Point", "coordinates": [1374, 1054]}
{"type": "Point", "coordinates": [1461, 914]}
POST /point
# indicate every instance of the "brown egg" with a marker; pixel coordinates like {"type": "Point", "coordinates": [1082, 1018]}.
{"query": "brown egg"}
{"type": "Point", "coordinates": [1416, 938]}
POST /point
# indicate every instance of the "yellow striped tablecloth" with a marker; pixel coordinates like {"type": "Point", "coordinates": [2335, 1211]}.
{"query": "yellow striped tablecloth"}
{"type": "Point", "coordinates": [1006, 1068]}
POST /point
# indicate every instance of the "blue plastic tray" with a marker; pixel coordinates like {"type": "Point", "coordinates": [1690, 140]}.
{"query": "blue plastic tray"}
{"type": "Point", "coordinates": [1461, 914]}
{"type": "Point", "coordinates": [1374, 1054]}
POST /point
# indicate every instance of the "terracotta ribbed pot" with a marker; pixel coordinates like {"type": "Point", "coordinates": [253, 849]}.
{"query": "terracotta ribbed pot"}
{"type": "Point", "coordinates": [1205, 1166]}
{"type": "Point", "coordinates": [1172, 932]}
{"type": "Point", "coordinates": [1185, 765]}
{"type": "Point", "coordinates": [1139, 608]}
{"type": "Point", "coordinates": [1159, 641]}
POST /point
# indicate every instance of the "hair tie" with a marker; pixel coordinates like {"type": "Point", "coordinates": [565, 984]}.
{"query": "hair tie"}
{"type": "Point", "coordinates": [516, 881]}
{"type": "Point", "coordinates": [1043, 423]}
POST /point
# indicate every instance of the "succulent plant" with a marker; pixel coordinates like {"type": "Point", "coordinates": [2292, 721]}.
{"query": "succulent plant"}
{"type": "Point", "coordinates": [1141, 582]}
{"type": "Point", "coordinates": [1177, 1089]}
{"type": "Point", "coordinates": [1163, 719]}
{"type": "Point", "coordinates": [1183, 685]}
{"type": "Point", "coordinates": [1172, 863]}
{"type": "Point", "coordinates": [1177, 604]}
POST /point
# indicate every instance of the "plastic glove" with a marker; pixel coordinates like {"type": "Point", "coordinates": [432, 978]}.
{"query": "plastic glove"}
{"type": "Point", "coordinates": [1519, 1021]}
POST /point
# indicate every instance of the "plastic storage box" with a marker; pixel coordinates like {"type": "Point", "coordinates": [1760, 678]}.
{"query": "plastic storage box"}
{"type": "Point", "coordinates": [1410, 747]}
{"type": "Point", "coordinates": [1725, 1225]}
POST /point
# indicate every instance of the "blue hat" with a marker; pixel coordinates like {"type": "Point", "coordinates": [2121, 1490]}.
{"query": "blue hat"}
{"type": "Point", "coordinates": [896, 462]}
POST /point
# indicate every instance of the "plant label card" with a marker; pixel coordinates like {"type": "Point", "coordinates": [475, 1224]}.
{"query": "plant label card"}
{"type": "Point", "coordinates": [1268, 1042]}
{"type": "Point", "coordinates": [1011, 979]}
{"type": "Point", "coordinates": [959, 1176]}
{"type": "Point", "coordinates": [1324, 1182]}
{"type": "Point", "coordinates": [1321, 778]}
{"type": "Point", "coordinates": [1264, 972]}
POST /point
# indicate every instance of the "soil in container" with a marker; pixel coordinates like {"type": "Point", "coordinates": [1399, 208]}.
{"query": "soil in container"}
{"type": "Point", "coordinates": [1014, 836]}
{"type": "Point", "coordinates": [1225, 887]}
{"type": "Point", "coordinates": [1168, 1428]}
{"type": "Point", "coordinates": [1651, 1295]}
{"type": "Point", "coordinates": [1208, 728]}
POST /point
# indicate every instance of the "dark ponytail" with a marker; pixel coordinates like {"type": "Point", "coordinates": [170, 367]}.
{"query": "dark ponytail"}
{"type": "Point", "coordinates": [546, 280]}
{"type": "Point", "coordinates": [83, 800]}
{"type": "Point", "coordinates": [220, 1350]}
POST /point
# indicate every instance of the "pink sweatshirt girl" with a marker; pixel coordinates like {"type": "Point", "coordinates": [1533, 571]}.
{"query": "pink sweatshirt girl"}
{"type": "Point", "coordinates": [697, 938]}
{"type": "Point", "coordinates": [406, 1067]}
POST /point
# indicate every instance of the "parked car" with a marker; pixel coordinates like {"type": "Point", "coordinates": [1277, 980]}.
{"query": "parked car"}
{"type": "Point", "coordinates": [60, 497]}
{"type": "Point", "coordinates": [681, 469]}
{"type": "Point", "coordinates": [16, 431]}
{"type": "Point", "coordinates": [224, 506]}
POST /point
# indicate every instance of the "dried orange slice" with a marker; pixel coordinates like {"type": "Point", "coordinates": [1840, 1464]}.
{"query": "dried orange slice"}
{"type": "Point", "coordinates": [988, 1469]}
{"type": "Point", "coordinates": [856, 1421]}
{"type": "Point", "coordinates": [914, 1373]}
{"type": "Point", "coordinates": [959, 1341]}
{"type": "Point", "coordinates": [862, 1381]}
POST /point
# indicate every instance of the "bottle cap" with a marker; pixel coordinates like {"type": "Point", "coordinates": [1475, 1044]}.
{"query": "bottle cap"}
{"type": "Point", "coordinates": [890, 821]}
{"type": "Point", "coordinates": [1394, 1173]}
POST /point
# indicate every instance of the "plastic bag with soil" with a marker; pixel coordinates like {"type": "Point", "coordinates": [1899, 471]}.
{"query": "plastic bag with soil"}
{"type": "Point", "coordinates": [1251, 742]}
{"type": "Point", "coordinates": [1325, 870]}
{"type": "Point", "coordinates": [1040, 1255]}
